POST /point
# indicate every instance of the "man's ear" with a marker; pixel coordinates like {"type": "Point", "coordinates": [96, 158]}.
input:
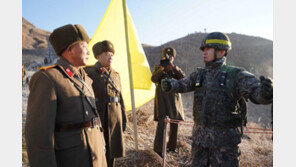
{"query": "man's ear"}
{"type": "Point", "coordinates": [69, 48]}
{"type": "Point", "coordinates": [222, 53]}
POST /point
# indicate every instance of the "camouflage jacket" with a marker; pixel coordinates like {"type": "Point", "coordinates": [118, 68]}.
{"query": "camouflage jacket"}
{"type": "Point", "coordinates": [213, 108]}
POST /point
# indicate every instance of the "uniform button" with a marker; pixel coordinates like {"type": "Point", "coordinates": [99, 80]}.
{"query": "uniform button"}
{"type": "Point", "coordinates": [86, 112]}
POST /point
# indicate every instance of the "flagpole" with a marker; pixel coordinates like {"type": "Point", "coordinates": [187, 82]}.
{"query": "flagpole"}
{"type": "Point", "coordinates": [130, 75]}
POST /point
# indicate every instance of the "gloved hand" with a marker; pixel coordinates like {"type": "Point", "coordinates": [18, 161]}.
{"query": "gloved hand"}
{"type": "Point", "coordinates": [166, 85]}
{"type": "Point", "coordinates": [169, 67]}
{"type": "Point", "coordinates": [266, 88]}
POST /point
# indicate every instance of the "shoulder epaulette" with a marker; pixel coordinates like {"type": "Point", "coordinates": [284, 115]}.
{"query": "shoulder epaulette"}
{"type": "Point", "coordinates": [89, 66]}
{"type": "Point", "coordinates": [47, 67]}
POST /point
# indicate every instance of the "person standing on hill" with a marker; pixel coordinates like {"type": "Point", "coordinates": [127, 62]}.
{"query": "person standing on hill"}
{"type": "Point", "coordinates": [23, 74]}
{"type": "Point", "coordinates": [109, 101]}
{"type": "Point", "coordinates": [63, 128]}
{"type": "Point", "coordinates": [167, 103]}
{"type": "Point", "coordinates": [220, 92]}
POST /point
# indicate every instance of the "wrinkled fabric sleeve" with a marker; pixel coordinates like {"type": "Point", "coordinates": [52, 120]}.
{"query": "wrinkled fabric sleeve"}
{"type": "Point", "coordinates": [179, 74]}
{"type": "Point", "coordinates": [157, 74]}
{"type": "Point", "coordinates": [186, 84]}
{"type": "Point", "coordinates": [123, 110]}
{"type": "Point", "coordinates": [248, 86]}
{"type": "Point", "coordinates": [40, 123]}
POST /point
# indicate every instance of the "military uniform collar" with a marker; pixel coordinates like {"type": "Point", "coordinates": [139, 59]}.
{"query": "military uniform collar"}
{"type": "Point", "coordinates": [99, 66]}
{"type": "Point", "coordinates": [70, 69]}
{"type": "Point", "coordinates": [215, 64]}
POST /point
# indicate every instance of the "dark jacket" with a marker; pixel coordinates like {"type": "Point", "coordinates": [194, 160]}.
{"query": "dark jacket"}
{"type": "Point", "coordinates": [55, 100]}
{"type": "Point", "coordinates": [112, 111]}
{"type": "Point", "coordinates": [167, 103]}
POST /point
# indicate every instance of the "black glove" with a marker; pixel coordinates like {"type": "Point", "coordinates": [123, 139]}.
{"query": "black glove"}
{"type": "Point", "coordinates": [123, 126]}
{"type": "Point", "coordinates": [166, 85]}
{"type": "Point", "coordinates": [266, 88]}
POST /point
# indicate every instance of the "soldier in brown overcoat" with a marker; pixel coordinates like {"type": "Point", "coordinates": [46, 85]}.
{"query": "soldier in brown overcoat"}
{"type": "Point", "coordinates": [167, 104]}
{"type": "Point", "coordinates": [107, 88]}
{"type": "Point", "coordinates": [63, 128]}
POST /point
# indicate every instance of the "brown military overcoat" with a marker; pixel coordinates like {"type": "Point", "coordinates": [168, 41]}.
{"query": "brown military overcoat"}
{"type": "Point", "coordinates": [112, 113]}
{"type": "Point", "coordinates": [54, 100]}
{"type": "Point", "coordinates": [167, 103]}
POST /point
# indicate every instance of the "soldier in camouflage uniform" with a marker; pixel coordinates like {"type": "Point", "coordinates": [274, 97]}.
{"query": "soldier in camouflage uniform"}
{"type": "Point", "coordinates": [218, 90]}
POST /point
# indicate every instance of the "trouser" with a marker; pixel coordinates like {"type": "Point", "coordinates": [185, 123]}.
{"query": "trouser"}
{"type": "Point", "coordinates": [227, 156]}
{"type": "Point", "coordinates": [172, 144]}
{"type": "Point", "coordinates": [111, 162]}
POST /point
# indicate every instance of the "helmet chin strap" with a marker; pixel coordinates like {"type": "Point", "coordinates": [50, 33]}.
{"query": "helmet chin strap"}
{"type": "Point", "coordinates": [215, 55]}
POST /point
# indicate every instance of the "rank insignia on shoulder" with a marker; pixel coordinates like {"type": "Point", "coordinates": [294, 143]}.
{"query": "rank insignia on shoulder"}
{"type": "Point", "coordinates": [69, 72]}
{"type": "Point", "coordinates": [46, 67]}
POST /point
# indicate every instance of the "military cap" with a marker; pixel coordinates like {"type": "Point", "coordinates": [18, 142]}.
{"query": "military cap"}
{"type": "Point", "coordinates": [67, 35]}
{"type": "Point", "coordinates": [169, 51]}
{"type": "Point", "coordinates": [103, 46]}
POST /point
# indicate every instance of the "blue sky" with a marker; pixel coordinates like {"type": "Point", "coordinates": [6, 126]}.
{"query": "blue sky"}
{"type": "Point", "coordinates": [159, 21]}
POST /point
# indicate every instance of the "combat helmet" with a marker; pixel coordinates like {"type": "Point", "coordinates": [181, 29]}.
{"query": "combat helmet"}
{"type": "Point", "coordinates": [216, 40]}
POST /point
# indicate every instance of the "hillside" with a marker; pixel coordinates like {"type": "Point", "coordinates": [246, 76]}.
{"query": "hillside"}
{"type": "Point", "coordinates": [35, 44]}
{"type": "Point", "coordinates": [247, 51]}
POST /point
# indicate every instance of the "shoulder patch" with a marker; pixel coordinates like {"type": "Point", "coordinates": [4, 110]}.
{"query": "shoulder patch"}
{"type": "Point", "coordinates": [47, 67]}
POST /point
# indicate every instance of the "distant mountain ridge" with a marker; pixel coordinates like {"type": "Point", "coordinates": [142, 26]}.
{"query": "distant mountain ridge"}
{"type": "Point", "coordinates": [253, 53]}
{"type": "Point", "coordinates": [35, 44]}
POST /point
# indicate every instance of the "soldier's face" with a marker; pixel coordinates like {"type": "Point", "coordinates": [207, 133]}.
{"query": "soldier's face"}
{"type": "Point", "coordinates": [106, 59]}
{"type": "Point", "coordinates": [171, 58]}
{"type": "Point", "coordinates": [79, 53]}
{"type": "Point", "coordinates": [208, 54]}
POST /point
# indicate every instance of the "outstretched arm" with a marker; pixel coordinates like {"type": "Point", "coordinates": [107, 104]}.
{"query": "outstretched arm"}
{"type": "Point", "coordinates": [180, 86]}
{"type": "Point", "coordinates": [250, 87]}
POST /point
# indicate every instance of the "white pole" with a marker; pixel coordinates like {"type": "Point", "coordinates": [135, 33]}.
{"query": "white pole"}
{"type": "Point", "coordinates": [130, 75]}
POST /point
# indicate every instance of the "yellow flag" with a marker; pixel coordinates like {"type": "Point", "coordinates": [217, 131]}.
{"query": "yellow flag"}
{"type": "Point", "coordinates": [112, 28]}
